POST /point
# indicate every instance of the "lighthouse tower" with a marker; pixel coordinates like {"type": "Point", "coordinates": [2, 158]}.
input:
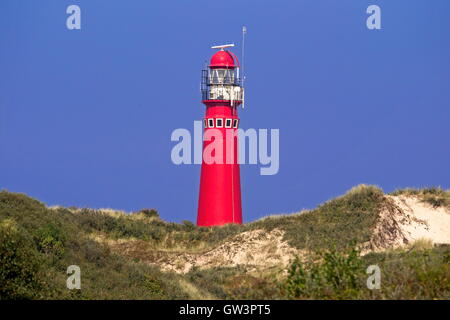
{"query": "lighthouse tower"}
{"type": "Point", "coordinates": [220, 187]}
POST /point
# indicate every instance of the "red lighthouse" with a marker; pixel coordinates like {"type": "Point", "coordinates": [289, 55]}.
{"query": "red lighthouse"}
{"type": "Point", "coordinates": [220, 187]}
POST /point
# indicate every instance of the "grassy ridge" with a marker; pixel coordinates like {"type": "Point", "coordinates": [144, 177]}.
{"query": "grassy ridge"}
{"type": "Point", "coordinates": [339, 222]}
{"type": "Point", "coordinates": [37, 244]}
{"type": "Point", "coordinates": [435, 196]}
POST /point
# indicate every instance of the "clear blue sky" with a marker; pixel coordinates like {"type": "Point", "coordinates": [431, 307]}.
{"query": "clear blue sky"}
{"type": "Point", "coordinates": [86, 116]}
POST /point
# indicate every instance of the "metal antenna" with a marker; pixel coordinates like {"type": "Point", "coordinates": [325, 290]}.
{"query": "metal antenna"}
{"type": "Point", "coordinates": [244, 32]}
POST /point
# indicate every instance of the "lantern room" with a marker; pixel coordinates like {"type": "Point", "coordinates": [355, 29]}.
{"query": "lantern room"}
{"type": "Point", "coordinates": [221, 81]}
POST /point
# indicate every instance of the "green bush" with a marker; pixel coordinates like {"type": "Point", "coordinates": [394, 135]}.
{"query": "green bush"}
{"type": "Point", "coordinates": [19, 271]}
{"type": "Point", "coordinates": [189, 226]}
{"type": "Point", "coordinates": [150, 213]}
{"type": "Point", "coordinates": [153, 285]}
{"type": "Point", "coordinates": [418, 273]}
{"type": "Point", "coordinates": [50, 240]}
{"type": "Point", "coordinates": [328, 275]}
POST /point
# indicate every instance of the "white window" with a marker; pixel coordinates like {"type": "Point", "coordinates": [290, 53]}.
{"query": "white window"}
{"type": "Point", "coordinates": [205, 122]}
{"type": "Point", "coordinates": [228, 123]}
{"type": "Point", "coordinates": [219, 123]}
{"type": "Point", "coordinates": [235, 123]}
{"type": "Point", "coordinates": [210, 123]}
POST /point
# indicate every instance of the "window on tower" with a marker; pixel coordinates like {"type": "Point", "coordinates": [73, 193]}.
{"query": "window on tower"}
{"type": "Point", "coordinates": [228, 123]}
{"type": "Point", "coordinates": [213, 76]}
{"type": "Point", "coordinates": [211, 123]}
{"type": "Point", "coordinates": [221, 73]}
{"type": "Point", "coordinates": [205, 122]}
{"type": "Point", "coordinates": [235, 123]}
{"type": "Point", "coordinates": [219, 123]}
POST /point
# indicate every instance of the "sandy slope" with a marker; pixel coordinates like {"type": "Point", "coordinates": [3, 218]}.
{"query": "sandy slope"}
{"type": "Point", "coordinates": [425, 222]}
{"type": "Point", "coordinates": [254, 249]}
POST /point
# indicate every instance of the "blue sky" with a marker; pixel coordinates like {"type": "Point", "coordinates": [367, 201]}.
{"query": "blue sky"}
{"type": "Point", "coordinates": [86, 115]}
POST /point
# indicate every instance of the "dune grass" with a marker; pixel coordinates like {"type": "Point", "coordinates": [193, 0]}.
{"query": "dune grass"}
{"type": "Point", "coordinates": [435, 196]}
{"type": "Point", "coordinates": [38, 243]}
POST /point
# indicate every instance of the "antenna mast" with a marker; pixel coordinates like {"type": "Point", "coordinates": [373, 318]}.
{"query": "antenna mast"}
{"type": "Point", "coordinates": [244, 31]}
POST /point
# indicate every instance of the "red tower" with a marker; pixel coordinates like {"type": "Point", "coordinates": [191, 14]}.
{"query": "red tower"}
{"type": "Point", "coordinates": [220, 187]}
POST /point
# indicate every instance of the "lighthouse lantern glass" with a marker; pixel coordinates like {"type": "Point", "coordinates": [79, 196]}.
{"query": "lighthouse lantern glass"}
{"type": "Point", "coordinates": [222, 83]}
{"type": "Point", "coordinates": [221, 76]}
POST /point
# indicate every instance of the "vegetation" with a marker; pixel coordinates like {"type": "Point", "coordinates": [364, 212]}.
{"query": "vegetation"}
{"type": "Point", "coordinates": [338, 222]}
{"type": "Point", "coordinates": [435, 196]}
{"type": "Point", "coordinates": [328, 274]}
{"type": "Point", "coordinates": [38, 243]}
{"type": "Point", "coordinates": [415, 274]}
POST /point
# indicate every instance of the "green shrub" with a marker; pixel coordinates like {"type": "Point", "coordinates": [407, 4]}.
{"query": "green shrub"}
{"type": "Point", "coordinates": [19, 271]}
{"type": "Point", "coordinates": [153, 285]}
{"type": "Point", "coordinates": [328, 275]}
{"type": "Point", "coordinates": [50, 240]}
{"type": "Point", "coordinates": [150, 213]}
{"type": "Point", "coordinates": [418, 273]}
{"type": "Point", "coordinates": [188, 225]}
